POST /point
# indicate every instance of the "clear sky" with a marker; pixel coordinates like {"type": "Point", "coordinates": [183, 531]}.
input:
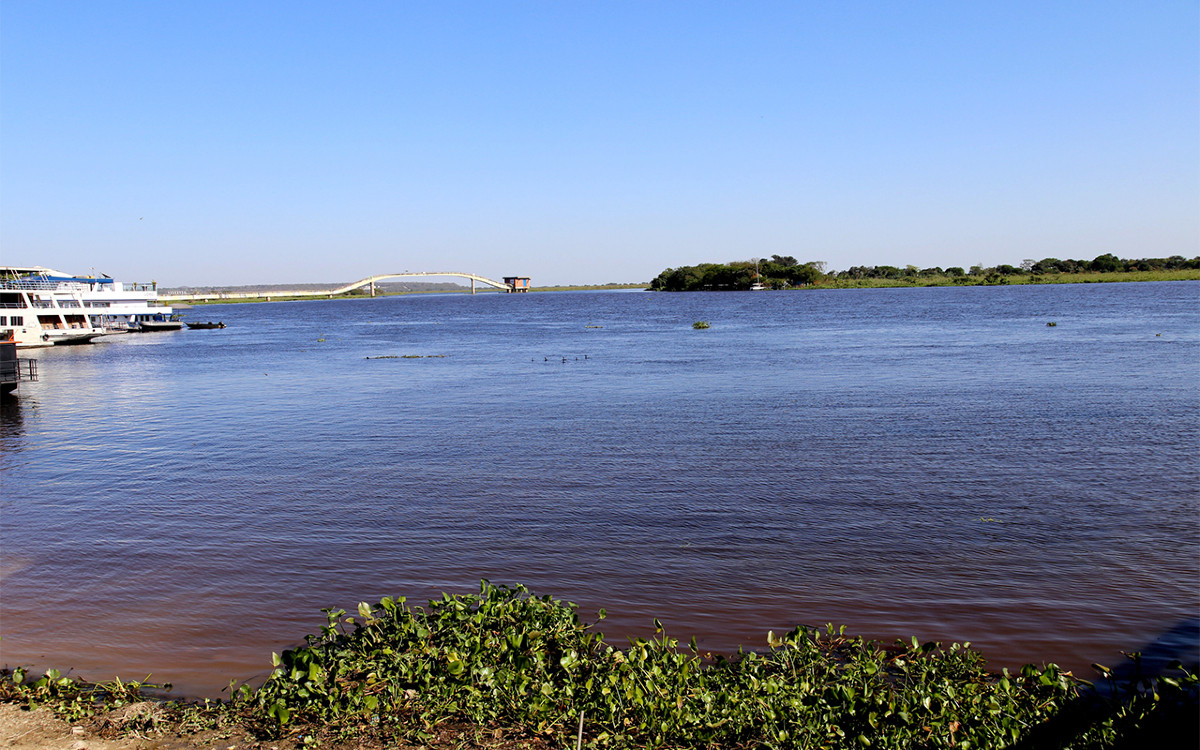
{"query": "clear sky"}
{"type": "Point", "coordinates": [254, 141]}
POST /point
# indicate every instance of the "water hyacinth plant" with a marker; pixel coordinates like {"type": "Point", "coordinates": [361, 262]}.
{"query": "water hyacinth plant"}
{"type": "Point", "coordinates": [507, 662]}
{"type": "Point", "coordinates": [506, 657]}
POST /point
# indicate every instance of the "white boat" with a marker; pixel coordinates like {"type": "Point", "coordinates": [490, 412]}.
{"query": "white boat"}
{"type": "Point", "coordinates": [120, 307]}
{"type": "Point", "coordinates": [108, 306]}
{"type": "Point", "coordinates": [757, 286]}
{"type": "Point", "coordinates": [42, 308]}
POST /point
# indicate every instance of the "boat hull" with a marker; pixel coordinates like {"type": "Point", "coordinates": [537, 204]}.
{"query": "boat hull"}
{"type": "Point", "coordinates": [152, 326]}
{"type": "Point", "coordinates": [71, 338]}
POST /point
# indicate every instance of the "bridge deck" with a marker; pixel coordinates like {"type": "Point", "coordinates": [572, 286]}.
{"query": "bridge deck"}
{"type": "Point", "coordinates": [369, 281]}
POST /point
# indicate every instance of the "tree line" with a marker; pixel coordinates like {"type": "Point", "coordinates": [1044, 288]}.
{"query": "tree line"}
{"type": "Point", "coordinates": [781, 271]}
{"type": "Point", "coordinates": [784, 272]}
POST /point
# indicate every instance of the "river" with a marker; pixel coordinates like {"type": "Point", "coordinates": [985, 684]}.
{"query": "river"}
{"type": "Point", "coordinates": [936, 462]}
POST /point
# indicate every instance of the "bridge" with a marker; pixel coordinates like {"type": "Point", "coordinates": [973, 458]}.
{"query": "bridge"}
{"type": "Point", "coordinates": [510, 284]}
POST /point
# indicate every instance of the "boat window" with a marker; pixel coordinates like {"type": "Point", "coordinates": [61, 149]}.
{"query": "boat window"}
{"type": "Point", "coordinates": [17, 320]}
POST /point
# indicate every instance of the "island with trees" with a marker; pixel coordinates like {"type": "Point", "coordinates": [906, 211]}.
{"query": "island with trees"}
{"type": "Point", "coordinates": [785, 272]}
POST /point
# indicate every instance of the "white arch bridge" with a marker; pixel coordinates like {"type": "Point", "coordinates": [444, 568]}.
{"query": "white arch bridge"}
{"type": "Point", "coordinates": [510, 284]}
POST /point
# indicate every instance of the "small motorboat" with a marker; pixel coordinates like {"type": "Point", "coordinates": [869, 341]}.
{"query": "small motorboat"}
{"type": "Point", "coordinates": [157, 323]}
{"type": "Point", "coordinates": [209, 324]}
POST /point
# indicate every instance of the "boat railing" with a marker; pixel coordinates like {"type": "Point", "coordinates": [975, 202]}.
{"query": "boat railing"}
{"type": "Point", "coordinates": [52, 285]}
{"type": "Point", "coordinates": [13, 305]}
{"type": "Point", "coordinates": [29, 285]}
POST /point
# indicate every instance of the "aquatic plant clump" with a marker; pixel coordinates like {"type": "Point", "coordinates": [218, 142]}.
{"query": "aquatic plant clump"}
{"type": "Point", "coordinates": [508, 664]}
{"type": "Point", "coordinates": [506, 657]}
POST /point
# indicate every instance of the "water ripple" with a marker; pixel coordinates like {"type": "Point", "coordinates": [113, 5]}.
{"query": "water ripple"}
{"type": "Point", "coordinates": [931, 462]}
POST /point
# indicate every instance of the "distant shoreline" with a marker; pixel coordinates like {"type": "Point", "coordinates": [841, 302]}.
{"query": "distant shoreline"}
{"type": "Point", "coordinates": [1189, 274]}
{"type": "Point", "coordinates": [1113, 277]}
{"type": "Point", "coordinates": [268, 296]}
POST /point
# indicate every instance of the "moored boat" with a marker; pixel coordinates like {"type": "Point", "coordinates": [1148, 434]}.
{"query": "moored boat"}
{"type": "Point", "coordinates": [152, 323]}
{"type": "Point", "coordinates": [118, 307]}
{"type": "Point", "coordinates": [41, 307]}
{"type": "Point", "coordinates": [206, 325]}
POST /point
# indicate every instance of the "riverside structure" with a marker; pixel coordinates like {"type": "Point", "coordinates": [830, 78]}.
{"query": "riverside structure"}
{"type": "Point", "coordinates": [510, 284]}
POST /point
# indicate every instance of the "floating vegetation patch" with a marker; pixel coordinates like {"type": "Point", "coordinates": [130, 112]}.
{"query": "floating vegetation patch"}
{"type": "Point", "coordinates": [409, 356]}
{"type": "Point", "coordinates": [700, 324]}
{"type": "Point", "coordinates": [1052, 324]}
{"type": "Point", "coordinates": [562, 358]}
{"type": "Point", "coordinates": [593, 326]}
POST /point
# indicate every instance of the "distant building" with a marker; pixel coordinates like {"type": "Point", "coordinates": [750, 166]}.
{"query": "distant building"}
{"type": "Point", "coordinates": [517, 283]}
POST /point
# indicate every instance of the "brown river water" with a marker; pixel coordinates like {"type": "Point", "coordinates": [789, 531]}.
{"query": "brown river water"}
{"type": "Point", "coordinates": [936, 463]}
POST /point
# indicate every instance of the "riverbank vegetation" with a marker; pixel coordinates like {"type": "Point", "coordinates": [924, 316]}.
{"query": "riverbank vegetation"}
{"type": "Point", "coordinates": [506, 668]}
{"type": "Point", "coordinates": [589, 287]}
{"type": "Point", "coordinates": [785, 272]}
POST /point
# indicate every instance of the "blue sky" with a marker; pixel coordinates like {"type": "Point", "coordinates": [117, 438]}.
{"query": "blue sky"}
{"type": "Point", "coordinates": [206, 142]}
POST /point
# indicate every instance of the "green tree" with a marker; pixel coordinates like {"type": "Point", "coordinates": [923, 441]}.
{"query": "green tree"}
{"type": "Point", "coordinates": [809, 273]}
{"type": "Point", "coordinates": [1046, 265]}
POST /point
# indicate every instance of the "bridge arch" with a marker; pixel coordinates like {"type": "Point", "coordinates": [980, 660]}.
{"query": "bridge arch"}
{"type": "Point", "coordinates": [371, 280]}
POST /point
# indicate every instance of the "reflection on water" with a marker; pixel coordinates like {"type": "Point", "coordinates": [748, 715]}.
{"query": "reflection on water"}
{"type": "Point", "coordinates": [930, 462]}
{"type": "Point", "coordinates": [11, 421]}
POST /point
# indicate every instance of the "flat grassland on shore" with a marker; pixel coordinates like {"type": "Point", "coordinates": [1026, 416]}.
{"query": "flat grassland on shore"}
{"type": "Point", "coordinates": [1186, 274]}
